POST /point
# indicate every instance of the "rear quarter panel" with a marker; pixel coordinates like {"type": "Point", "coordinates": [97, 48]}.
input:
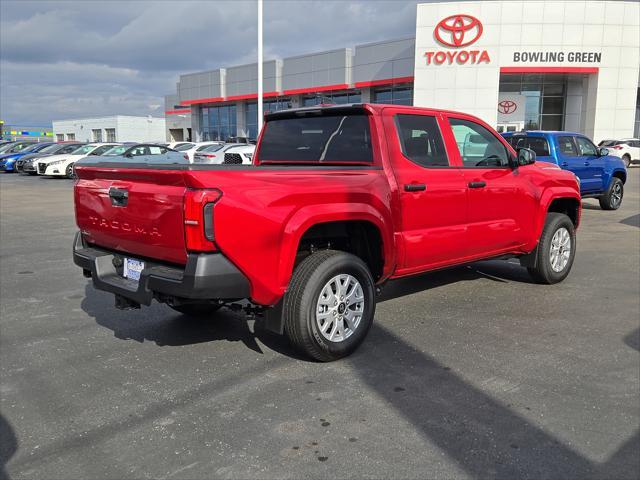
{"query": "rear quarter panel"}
{"type": "Point", "coordinates": [264, 212]}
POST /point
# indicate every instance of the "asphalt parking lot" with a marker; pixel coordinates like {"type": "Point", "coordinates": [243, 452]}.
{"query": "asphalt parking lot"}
{"type": "Point", "coordinates": [473, 372]}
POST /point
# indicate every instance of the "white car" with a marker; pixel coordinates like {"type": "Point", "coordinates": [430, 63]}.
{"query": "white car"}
{"type": "Point", "coordinates": [197, 147]}
{"type": "Point", "coordinates": [216, 154]}
{"type": "Point", "coordinates": [239, 155]}
{"type": "Point", "coordinates": [62, 165]}
{"type": "Point", "coordinates": [628, 149]}
{"type": "Point", "coordinates": [180, 146]}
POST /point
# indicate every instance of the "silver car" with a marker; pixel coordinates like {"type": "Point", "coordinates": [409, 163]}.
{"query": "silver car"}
{"type": "Point", "coordinates": [140, 153]}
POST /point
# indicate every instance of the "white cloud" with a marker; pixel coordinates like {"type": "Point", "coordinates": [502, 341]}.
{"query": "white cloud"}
{"type": "Point", "coordinates": [80, 58]}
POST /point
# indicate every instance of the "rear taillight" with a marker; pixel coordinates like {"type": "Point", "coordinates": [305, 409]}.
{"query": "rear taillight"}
{"type": "Point", "coordinates": [210, 156]}
{"type": "Point", "coordinates": [617, 147]}
{"type": "Point", "coordinates": [186, 157]}
{"type": "Point", "coordinates": [198, 219]}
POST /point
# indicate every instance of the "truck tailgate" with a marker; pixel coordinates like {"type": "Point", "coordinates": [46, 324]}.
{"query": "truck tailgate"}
{"type": "Point", "coordinates": [137, 211]}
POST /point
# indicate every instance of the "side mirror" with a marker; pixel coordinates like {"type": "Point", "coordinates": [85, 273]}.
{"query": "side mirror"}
{"type": "Point", "coordinates": [526, 156]}
{"type": "Point", "coordinates": [603, 152]}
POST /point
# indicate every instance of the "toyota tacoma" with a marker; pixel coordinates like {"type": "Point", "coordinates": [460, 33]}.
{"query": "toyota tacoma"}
{"type": "Point", "coordinates": [338, 200]}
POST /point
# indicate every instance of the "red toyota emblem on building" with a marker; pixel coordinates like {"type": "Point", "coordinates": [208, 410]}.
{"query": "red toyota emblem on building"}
{"type": "Point", "coordinates": [458, 30]}
{"type": "Point", "coordinates": [507, 106]}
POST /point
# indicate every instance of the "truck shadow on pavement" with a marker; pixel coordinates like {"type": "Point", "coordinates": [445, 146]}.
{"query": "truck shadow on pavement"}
{"type": "Point", "coordinates": [8, 446]}
{"type": "Point", "coordinates": [164, 326]}
{"type": "Point", "coordinates": [485, 437]}
{"type": "Point", "coordinates": [632, 221]}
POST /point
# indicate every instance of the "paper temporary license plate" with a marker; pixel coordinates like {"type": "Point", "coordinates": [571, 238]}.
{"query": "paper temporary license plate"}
{"type": "Point", "coordinates": [132, 268]}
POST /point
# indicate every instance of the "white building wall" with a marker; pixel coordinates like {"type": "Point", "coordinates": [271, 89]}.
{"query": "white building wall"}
{"type": "Point", "coordinates": [611, 28]}
{"type": "Point", "coordinates": [140, 129]}
{"type": "Point", "coordinates": [128, 128]}
{"type": "Point", "coordinates": [82, 128]}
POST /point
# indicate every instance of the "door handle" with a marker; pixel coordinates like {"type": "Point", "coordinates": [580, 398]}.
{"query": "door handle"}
{"type": "Point", "coordinates": [586, 164]}
{"type": "Point", "coordinates": [477, 184]}
{"type": "Point", "coordinates": [415, 187]}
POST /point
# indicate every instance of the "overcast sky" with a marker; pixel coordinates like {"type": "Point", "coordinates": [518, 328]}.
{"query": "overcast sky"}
{"type": "Point", "coordinates": [69, 59]}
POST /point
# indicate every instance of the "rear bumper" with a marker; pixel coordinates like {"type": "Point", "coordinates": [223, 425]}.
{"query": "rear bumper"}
{"type": "Point", "coordinates": [206, 276]}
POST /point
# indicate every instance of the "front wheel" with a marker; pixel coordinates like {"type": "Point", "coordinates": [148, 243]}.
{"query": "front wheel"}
{"type": "Point", "coordinates": [330, 305]}
{"type": "Point", "coordinates": [612, 198]}
{"type": "Point", "coordinates": [556, 250]}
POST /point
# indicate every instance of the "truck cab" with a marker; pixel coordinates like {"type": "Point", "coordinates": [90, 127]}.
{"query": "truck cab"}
{"type": "Point", "coordinates": [601, 175]}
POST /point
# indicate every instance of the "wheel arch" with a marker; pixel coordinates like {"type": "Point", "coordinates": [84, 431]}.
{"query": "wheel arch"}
{"type": "Point", "coordinates": [367, 231]}
{"type": "Point", "coordinates": [621, 174]}
{"type": "Point", "coordinates": [568, 205]}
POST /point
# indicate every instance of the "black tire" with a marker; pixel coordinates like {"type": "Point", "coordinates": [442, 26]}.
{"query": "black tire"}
{"type": "Point", "coordinates": [612, 198]}
{"type": "Point", "coordinates": [69, 171]}
{"type": "Point", "coordinates": [196, 309]}
{"type": "Point", "coordinates": [543, 271]}
{"type": "Point", "coordinates": [300, 303]}
{"type": "Point", "coordinates": [32, 173]}
{"type": "Point", "coordinates": [626, 158]}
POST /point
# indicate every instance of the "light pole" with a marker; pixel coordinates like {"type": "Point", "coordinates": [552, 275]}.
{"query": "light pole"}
{"type": "Point", "coordinates": [260, 115]}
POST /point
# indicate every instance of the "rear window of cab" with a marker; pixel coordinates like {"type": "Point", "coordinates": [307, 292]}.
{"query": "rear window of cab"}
{"type": "Point", "coordinates": [537, 144]}
{"type": "Point", "coordinates": [317, 139]}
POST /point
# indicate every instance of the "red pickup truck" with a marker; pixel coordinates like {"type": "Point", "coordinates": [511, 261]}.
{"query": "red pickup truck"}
{"type": "Point", "coordinates": [339, 200]}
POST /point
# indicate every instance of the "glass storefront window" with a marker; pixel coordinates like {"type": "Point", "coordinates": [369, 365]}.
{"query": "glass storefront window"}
{"type": "Point", "coordinates": [335, 98]}
{"type": "Point", "coordinates": [545, 98]}
{"type": "Point", "coordinates": [551, 122]}
{"type": "Point", "coordinates": [218, 123]}
{"type": "Point", "coordinates": [395, 94]}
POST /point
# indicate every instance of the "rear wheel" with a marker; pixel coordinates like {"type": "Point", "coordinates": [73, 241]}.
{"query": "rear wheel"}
{"type": "Point", "coordinates": [196, 309]}
{"type": "Point", "coordinates": [556, 250]}
{"type": "Point", "coordinates": [69, 171]}
{"type": "Point", "coordinates": [612, 198]}
{"type": "Point", "coordinates": [330, 305]}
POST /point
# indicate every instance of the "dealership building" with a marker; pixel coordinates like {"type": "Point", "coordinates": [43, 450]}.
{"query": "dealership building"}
{"type": "Point", "coordinates": [518, 65]}
{"type": "Point", "coordinates": [113, 128]}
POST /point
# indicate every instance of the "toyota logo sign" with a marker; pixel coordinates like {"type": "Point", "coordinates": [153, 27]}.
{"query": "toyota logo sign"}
{"type": "Point", "coordinates": [458, 31]}
{"type": "Point", "coordinates": [507, 106]}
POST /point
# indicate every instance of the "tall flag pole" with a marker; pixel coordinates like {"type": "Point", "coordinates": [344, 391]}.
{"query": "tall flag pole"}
{"type": "Point", "coordinates": [260, 85]}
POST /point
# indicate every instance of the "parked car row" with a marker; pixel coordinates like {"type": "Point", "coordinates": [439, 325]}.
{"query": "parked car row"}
{"type": "Point", "coordinates": [59, 159]}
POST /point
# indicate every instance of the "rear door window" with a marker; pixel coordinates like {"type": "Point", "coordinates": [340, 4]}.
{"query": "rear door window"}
{"type": "Point", "coordinates": [567, 147]}
{"type": "Point", "coordinates": [328, 138]}
{"type": "Point", "coordinates": [421, 141]}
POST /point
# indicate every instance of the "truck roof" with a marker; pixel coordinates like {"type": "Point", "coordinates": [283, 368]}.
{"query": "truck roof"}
{"type": "Point", "coordinates": [539, 133]}
{"type": "Point", "coordinates": [352, 107]}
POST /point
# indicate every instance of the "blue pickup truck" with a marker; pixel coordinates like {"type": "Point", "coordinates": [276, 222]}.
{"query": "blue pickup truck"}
{"type": "Point", "coordinates": [601, 175]}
